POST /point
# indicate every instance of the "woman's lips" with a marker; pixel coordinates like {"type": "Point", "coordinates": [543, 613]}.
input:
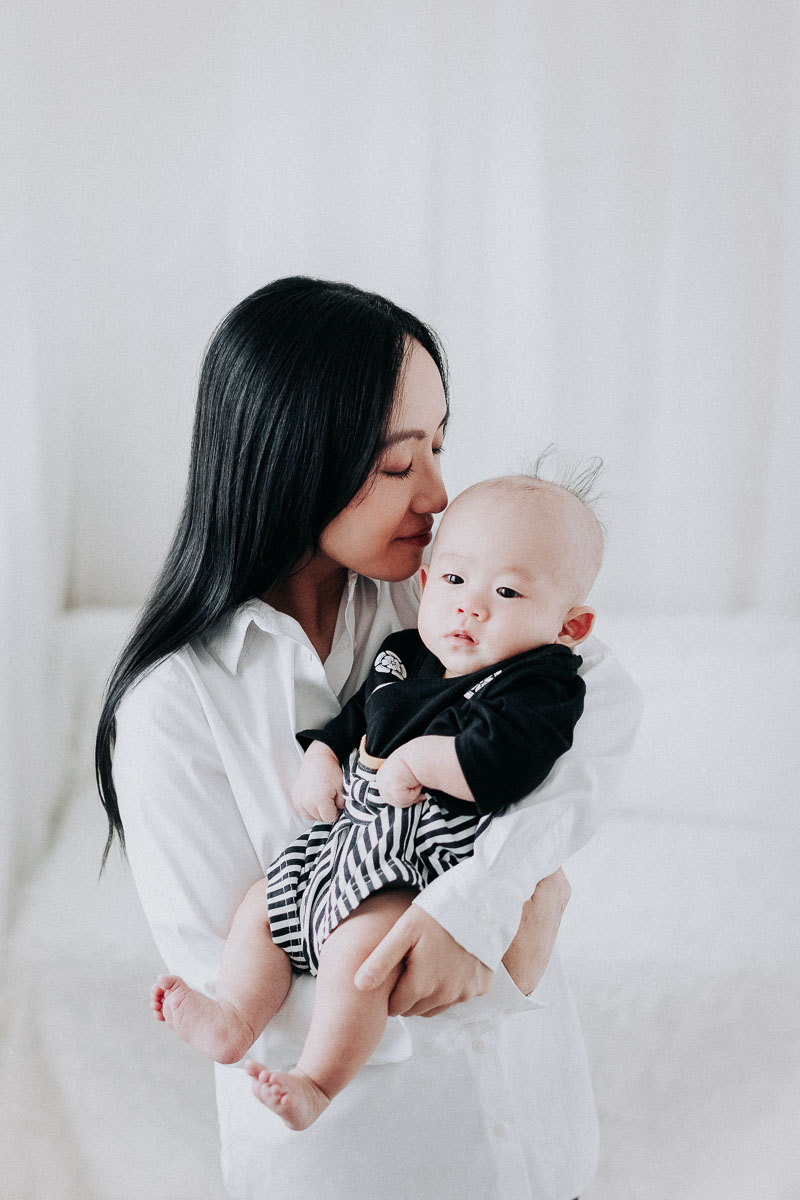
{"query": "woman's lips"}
{"type": "Point", "coordinates": [422, 538]}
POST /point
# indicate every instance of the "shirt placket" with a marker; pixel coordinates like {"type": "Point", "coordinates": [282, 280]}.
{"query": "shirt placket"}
{"type": "Point", "coordinates": [339, 664]}
{"type": "Point", "coordinates": [502, 1135]}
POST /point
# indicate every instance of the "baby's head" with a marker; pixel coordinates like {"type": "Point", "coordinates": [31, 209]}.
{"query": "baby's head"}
{"type": "Point", "coordinates": [511, 567]}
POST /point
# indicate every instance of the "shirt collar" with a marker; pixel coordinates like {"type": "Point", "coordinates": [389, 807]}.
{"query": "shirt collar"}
{"type": "Point", "coordinates": [227, 640]}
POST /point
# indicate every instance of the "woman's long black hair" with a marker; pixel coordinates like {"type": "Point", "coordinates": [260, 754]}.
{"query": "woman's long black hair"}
{"type": "Point", "coordinates": [295, 397]}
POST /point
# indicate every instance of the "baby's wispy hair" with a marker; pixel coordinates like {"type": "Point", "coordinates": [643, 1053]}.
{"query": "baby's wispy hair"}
{"type": "Point", "coordinates": [578, 476]}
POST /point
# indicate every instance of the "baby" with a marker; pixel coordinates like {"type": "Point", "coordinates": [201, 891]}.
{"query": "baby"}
{"type": "Point", "coordinates": [455, 721]}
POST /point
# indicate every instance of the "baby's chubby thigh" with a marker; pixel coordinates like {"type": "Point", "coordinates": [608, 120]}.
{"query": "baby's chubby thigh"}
{"type": "Point", "coordinates": [346, 947]}
{"type": "Point", "coordinates": [348, 1023]}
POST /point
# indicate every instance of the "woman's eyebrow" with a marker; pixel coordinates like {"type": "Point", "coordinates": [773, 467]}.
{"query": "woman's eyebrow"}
{"type": "Point", "coordinates": [404, 435]}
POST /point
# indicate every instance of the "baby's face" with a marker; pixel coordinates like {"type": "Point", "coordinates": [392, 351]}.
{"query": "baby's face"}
{"type": "Point", "coordinates": [496, 583]}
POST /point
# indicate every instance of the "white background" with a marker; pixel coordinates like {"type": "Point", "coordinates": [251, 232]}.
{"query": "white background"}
{"type": "Point", "coordinates": [595, 204]}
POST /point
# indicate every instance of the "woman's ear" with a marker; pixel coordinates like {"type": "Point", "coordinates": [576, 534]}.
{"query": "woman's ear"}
{"type": "Point", "coordinates": [576, 627]}
{"type": "Point", "coordinates": [423, 576]}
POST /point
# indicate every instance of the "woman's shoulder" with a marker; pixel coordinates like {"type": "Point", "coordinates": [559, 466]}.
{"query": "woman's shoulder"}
{"type": "Point", "coordinates": [609, 687]}
{"type": "Point", "coordinates": [166, 687]}
{"type": "Point", "coordinates": [597, 657]}
{"type": "Point", "coordinates": [162, 734]}
{"type": "Point", "coordinates": [176, 677]}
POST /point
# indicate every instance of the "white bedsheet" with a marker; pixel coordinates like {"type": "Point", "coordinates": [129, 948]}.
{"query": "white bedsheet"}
{"type": "Point", "coordinates": [680, 939]}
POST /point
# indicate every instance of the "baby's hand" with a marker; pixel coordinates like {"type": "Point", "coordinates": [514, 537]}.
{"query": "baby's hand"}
{"type": "Point", "coordinates": [317, 792]}
{"type": "Point", "coordinates": [397, 783]}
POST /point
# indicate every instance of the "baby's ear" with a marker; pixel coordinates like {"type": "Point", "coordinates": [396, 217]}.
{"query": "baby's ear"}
{"type": "Point", "coordinates": [423, 576]}
{"type": "Point", "coordinates": [576, 627]}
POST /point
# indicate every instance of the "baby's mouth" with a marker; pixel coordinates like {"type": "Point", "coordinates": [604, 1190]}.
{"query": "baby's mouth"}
{"type": "Point", "coordinates": [462, 635]}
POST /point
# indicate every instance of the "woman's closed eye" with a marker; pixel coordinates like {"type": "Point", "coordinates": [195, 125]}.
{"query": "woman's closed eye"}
{"type": "Point", "coordinates": [404, 472]}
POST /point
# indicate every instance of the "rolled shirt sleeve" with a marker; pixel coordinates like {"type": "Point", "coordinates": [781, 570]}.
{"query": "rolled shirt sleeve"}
{"type": "Point", "coordinates": [479, 902]}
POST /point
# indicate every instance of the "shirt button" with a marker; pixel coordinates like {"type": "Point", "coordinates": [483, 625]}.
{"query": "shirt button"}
{"type": "Point", "coordinates": [500, 1130]}
{"type": "Point", "coordinates": [478, 1046]}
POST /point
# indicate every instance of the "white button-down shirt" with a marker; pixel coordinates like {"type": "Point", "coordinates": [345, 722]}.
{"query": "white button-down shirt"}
{"type": "Point", "coordinates": [489, 1100]}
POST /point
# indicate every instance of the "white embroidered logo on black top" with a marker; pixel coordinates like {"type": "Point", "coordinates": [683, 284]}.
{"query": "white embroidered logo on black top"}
{"type": "Point", "coordinates": [481, 684]}
{"type": "Point", "coordinates": [389, 664]}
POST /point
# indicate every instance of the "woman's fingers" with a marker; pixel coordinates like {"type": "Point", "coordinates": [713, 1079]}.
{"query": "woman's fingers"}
{"type": "Point", "coordinates": [426, 1007]}
{"type": "Point", "coordinates": [390, 951]}
{"type": "Point", "coordinates": [431, 1012]}
{"type": "Point", "coordinates": [438, 971]}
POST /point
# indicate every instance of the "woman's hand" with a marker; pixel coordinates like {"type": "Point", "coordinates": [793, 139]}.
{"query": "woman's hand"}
{"type": "Point", "coordinates": [529, 953]}
{"type": "Point", "coordinates": [317, 791]}
{"type": "Point", "coordinates": [438, 971]}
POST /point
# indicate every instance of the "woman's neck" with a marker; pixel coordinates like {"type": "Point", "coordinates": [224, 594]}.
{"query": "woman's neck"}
{"type": "Point", "coordinates": [312, 595]}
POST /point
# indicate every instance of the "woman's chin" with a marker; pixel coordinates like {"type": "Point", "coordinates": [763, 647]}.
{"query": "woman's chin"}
{"type": "Point", "coordinates": [390, 576]}
{"type": "Point", "coordinates": [396, 568]}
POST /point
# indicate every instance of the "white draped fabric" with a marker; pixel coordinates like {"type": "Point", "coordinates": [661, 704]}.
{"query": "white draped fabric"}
{"type": "Point", "coordinates": [26, 596]}
{"type": "Point", "coordinates": [22, 605]}
{"type": "Point", "coordinates": [596, 205]}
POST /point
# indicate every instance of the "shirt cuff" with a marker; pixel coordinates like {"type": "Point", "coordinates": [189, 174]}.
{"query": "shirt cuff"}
{"type": "Point", "coordinates": [483, 925]}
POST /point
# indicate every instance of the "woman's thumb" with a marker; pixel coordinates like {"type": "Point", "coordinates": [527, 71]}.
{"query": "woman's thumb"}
{"type": "Point", "coordinates": [390, 951]}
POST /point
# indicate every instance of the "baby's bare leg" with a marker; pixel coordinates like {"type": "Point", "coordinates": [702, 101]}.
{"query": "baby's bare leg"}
{"type": "Point", "coordinates": [254, 978]}
{"type": "Point", "coordinates": [347, 1024]}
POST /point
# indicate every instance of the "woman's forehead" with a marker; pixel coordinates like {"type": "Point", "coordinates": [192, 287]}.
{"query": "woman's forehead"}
{"type": "Point", "coordinates": [420, 407]}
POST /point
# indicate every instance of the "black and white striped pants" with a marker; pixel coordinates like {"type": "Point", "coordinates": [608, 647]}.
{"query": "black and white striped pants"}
{"type": "Point", "coordinates": [325, 874]}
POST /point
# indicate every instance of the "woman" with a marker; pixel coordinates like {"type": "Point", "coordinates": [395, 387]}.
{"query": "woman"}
{"type": "Point", "coordinates": [313, 482]}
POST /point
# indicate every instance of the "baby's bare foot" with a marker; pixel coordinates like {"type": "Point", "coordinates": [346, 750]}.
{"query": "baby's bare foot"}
{"type": "Point", "coordinates": [293, 1095]}
{"type": "Point", "coordinates": [215, 1028]}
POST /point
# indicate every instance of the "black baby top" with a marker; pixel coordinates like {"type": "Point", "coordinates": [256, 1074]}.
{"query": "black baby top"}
{"type": "Point", "coordinates": [510, 721]}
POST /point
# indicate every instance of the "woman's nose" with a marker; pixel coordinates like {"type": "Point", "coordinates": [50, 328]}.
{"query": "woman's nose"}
{"type": "Point", "coordinates": [431, 496]}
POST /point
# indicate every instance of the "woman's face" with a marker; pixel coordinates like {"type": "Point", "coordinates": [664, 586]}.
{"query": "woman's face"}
{"type": "Point", "coordinates": [386, 527]}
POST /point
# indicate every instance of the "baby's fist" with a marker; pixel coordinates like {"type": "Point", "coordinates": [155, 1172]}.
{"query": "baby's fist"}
{"type": "Point", "coordinates": [317, 792]}
{"type": "Point", "coordinates": [397, 783]}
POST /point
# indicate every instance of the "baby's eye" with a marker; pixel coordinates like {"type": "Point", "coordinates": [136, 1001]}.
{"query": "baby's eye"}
{"type": "Point", "coordinates": [453, 579]}
{"type": "Point", "coordinates": [507, 593]}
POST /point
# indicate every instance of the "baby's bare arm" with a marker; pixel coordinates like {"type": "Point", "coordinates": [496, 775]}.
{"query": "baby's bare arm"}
{"type": "Point", "coordinates": [428, 761]}
{"type": "Point", "coordinates": [317, 791]}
